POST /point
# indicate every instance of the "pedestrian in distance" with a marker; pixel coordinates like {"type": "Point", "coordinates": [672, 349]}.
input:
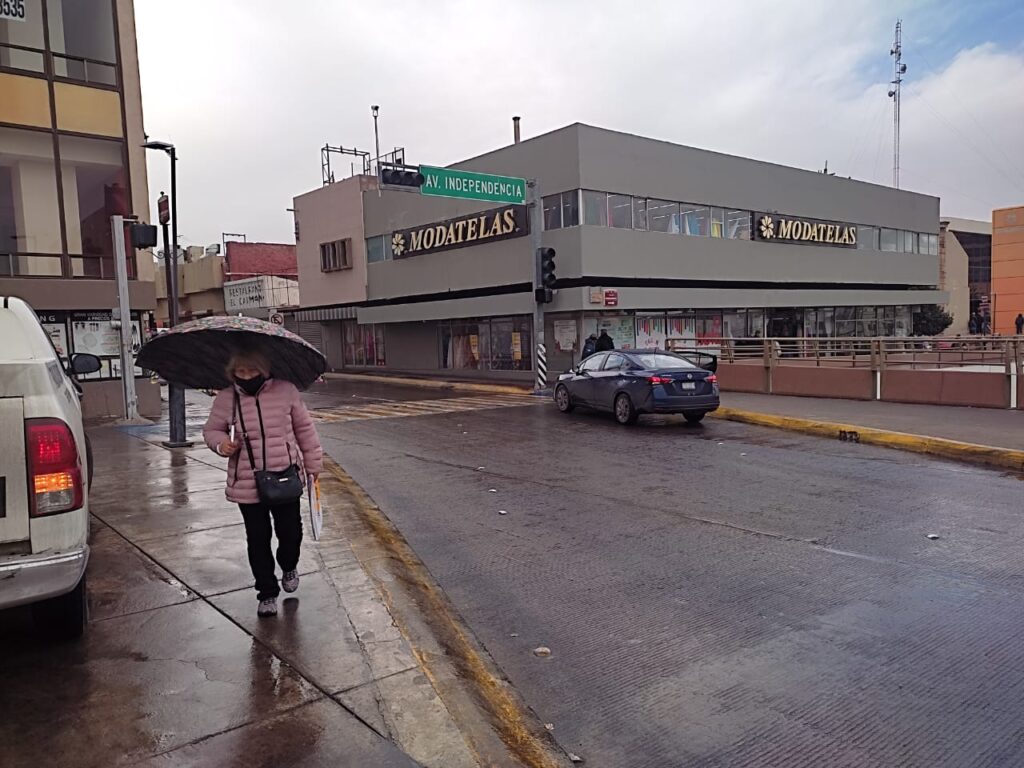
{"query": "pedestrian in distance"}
{"type": "Point", "coordinates": [986, 326]}
{"type": "Point", "coordinates": [261, 424]}
{"type": "Point", "coordinates": [604, 342]}
{"type": "Point", "coordinates": [972, 325]}
{"type": "Point", "coordinates": [1019, 323]}
{"type": "Point", "coordinates": [589, 346]}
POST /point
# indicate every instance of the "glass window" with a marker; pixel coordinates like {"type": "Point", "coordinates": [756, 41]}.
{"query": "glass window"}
{"type": "Point", "coordinates": [27, 32]}
{"type": "Point", "coordinates": [695, 219]}
{"type": "Point", "coordinates": [614, 362]}
{"type": "Point", "coordinates": [571, 208]}
{"type": "Point", "coordinates": [737, 225]}
{"type": "Point", "coordinates": [593, 363]}
{"type": "Point", "coordinates": [639, 213]}
{"type": "Point", "coordinates": [663, 216]}
{"type": "Point", "coordinates": [933, 245]}
{"type": "Point", "coordinates": [717, 222]}
{"type": "Point", "coordinates": [30, 241]}
{"type": "Point", "coordinates": [552, 212]}
{"type": "Point", "coordinates": [364, 344]}
{"type": "Point", "coordinates": [661, 361]}
{"type": "Point", "coordinates": [95, 188]}
{"type": "Point", "coordinates": [867, 238]}
{"type": "Point", "coordinates": [465, 345]}
{"type": "Point", "coordinates": [846, 321]}
{"type": "Point", "coordinates": [867, 321]}
{"type": "Point", "coordinates": [889, 239]}
{"type": "Point", "coordinates": [81, 31]}
{"type": "Point", "coordinates": [375, 249]}
{"type": "Point", "coordinates": [909, 242]}
{"type": "Point", "coordinates": [595, 208]}
{"type": "Point", "coordinates": [511, 343]}
{"type": "Point", "coordinates": [620, 211]}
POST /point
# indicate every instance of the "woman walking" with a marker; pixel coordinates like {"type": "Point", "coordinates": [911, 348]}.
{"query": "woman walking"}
{"type": "Point", "coordinates": [262, 425]}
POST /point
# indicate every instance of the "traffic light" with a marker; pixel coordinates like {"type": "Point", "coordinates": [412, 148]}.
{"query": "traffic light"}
{"type": "Point", "coordinates": [401, 176]}
{"type": "Point", "coordinates": [548, 278]}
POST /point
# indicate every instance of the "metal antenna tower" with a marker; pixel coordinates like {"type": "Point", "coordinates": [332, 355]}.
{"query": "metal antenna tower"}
{"type": "Point", "coordinates": [899, 69]}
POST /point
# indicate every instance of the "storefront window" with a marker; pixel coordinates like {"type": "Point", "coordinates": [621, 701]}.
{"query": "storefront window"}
{"type": "Point", "coordinates": [82, 40]}
{"type": "Point", "coordinates": [25, 33]}
{"type": "Point", "coordinates": [866, 321]}
{"type": "Point", "coordinates": [595, 208]}
{"type": "Point", "coordinates": [30, 241]}
{"type": "Point", "coordinates": [867, 238]}
{"type": "Point", "coordinates": [734, 324]}
{"type": "Point", "coordinates": [511, 342]}
{"type": "Point", "coordinates": [663, 216]}
{"type": "Point", "coordinates": [737, 225]}
{"type": "Point", "coordinates": [890, 240]}
{"type": "Point", "coordinates": [695, 220]}
{"type": "Point", "coordinates": [639, 213]}
{"type": "Point", "coordinates": [552, 212]}
{"type": "Point", "coordinates": [571, 208]}
{"type": "Point", "coordinates": [95, 188]}
{"type": "Point", "coordinates": [620, 211]}
{"type": "Point", "coordinates": [364, 344]}
{"type": "Point", "coordinates": [910, 242]}
{"type": "Point", "coordinates": [717, 222]}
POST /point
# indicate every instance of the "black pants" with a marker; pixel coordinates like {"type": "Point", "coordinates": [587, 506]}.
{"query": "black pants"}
{"type": "Point", "coordinates": [287, 526]}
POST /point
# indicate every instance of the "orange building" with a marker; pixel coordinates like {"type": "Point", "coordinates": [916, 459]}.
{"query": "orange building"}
{"type": "Point", "coordinates": [1007, 267]}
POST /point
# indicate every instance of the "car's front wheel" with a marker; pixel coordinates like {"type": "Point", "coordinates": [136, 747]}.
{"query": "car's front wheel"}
{"type": "Point", "coordinates": [625, 411]}
{"type": "Point", "coordinates": [563, 399]}
{"type": "Point", "coordinates": [63, 617]}
{"type": "Point", "coordinates": [693, 417]}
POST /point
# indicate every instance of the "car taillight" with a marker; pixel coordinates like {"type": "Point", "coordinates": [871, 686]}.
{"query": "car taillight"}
{"type": "Point", "coordinates": [712, 379]}
{"type": "Point", "coordinates": [55, 474]}
{"type": "Point", "coordinates": [659, 380]}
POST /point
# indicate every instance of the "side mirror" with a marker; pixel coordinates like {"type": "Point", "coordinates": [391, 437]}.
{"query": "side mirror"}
{"type": "Point", "coordinates": [83, 363]}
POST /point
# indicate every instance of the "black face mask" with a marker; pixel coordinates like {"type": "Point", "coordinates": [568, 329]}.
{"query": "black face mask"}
{"type": "Point", "coordinates": [251, 386]}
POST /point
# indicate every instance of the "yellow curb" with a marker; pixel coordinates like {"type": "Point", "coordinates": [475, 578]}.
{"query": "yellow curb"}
{"type": "Point", "coordinates": [518, 728]}
{"type": "Point", "coordinates": [987, 455]}
{"type": "Point", "coordinates": [458, 386]}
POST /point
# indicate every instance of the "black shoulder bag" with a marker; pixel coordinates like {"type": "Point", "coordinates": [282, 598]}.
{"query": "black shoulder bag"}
{"type": "Point", "coordinates": [273, 488]}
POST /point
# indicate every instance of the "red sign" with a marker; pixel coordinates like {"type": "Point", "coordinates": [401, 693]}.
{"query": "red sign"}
{"type": "Point", "coordinates": [611, 297]}
{"type": "Point", "coordinates": [163, 207]}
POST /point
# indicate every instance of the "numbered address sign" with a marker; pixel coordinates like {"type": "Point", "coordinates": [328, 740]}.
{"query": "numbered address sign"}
{"type": "Point", "coordinates": [12, 10]}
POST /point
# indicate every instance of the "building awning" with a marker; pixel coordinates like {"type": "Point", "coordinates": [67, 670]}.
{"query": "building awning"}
{"type": "Point", "coordinates": [324, 313]}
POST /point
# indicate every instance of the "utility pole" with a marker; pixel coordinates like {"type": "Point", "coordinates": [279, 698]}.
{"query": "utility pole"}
{"type": "Point", "coordinates": [536, 213]}
{"type": "Point", "coordinates": [375, 109]}
{"type": "Point", "coordinates": [899, 69]}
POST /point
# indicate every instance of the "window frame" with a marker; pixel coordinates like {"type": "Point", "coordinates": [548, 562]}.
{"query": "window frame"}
{"type": "Point", "coordinates": [593, 363]}
{"type": "Point", "coordinates": [333, 259]}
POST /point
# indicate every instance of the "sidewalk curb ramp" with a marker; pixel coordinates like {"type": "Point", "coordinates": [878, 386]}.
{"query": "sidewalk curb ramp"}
{"type": "Point", "coordinates": [515, 723]}
{"type": "Point", "coordinates": [986, 455]}
{"type": "Point", "coordinates": [457, 386]}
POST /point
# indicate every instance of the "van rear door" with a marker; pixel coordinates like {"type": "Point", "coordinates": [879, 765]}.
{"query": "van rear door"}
{"type": "Point", "coordinates": [14, 522]}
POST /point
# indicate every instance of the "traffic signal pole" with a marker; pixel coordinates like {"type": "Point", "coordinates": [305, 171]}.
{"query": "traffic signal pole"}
{"type": "Point", "coordinates": [540, 354]}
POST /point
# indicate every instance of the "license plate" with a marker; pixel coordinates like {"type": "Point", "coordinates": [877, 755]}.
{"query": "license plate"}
{"type": "Point", "coordinates": [688, 385]}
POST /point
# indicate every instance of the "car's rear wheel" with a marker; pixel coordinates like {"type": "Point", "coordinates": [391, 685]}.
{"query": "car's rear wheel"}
{"type": "Point", "coordinates": [63, 617]}
{"type": "Point", "coordinates": [693, 417]}
{"type": "Point", "coordinates": [625, 411]}
{"type": "Point", "coordinates": [563, 400]}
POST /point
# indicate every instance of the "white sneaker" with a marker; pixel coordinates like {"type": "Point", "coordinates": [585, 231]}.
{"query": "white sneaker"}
{"type": "Point", "coordinates": [267, 607]}
{"type": "Point", "coordinates": [290, 581]}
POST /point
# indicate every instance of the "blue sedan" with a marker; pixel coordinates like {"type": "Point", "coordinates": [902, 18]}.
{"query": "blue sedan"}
{"type": "Point", "coordinates": [630, 382]}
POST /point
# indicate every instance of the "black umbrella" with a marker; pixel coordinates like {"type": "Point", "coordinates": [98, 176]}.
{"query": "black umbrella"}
{"type": "Point", "coordinates": [196, 354]}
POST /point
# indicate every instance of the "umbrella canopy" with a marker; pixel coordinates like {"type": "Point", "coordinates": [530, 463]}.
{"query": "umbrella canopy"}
{"type": "Point", "coordinates": [196, 354]}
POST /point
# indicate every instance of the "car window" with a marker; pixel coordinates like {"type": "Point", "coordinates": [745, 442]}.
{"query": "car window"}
{"type": "Point", "coordinates": [662, 360]}
{"type": "Point", "coordinates": [593, 363]}
{"type": "Point", "coordinates": [614, 363]}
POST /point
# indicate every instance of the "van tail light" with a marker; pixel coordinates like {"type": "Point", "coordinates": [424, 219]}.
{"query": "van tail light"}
{"type": "Point", "coordinates": [659, 380]}
{"type": "Point", "coordinates": [55, 473]}
{"type": "Point", "coordinates": [712, 379]}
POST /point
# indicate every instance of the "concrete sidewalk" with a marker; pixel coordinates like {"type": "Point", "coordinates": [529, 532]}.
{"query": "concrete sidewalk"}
{"type": "Point", "coordinates": [984, 435]}
{"type": "Point", "coordinates": [176, 669]}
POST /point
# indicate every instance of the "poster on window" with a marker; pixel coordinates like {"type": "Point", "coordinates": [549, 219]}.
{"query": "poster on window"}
{"type": "Point", "coordinates": [683, 330]}
{"type": "Point", "coordinates": [650, 333]}
{"type": "Point", "coordinates": [95, 334]}
{"type": "Point", "coordinates": [565, 335]}
{"type": "Point", "coordinates": [56, 328]}
{"type": "Point", "coordinates": [517, 345]}
{"type": "Point", "coordinates": [619, 327]}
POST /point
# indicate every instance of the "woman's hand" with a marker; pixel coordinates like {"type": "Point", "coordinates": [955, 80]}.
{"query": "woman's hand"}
{"type": "Point", "coordinates": [228, 448]}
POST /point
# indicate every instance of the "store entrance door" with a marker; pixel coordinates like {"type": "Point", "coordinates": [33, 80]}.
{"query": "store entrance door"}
{"type": "Point", "coordinates": [785, 323]}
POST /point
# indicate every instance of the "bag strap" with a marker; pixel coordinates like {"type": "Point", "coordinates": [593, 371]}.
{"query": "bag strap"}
{"type": "Point", "coordinates": [245, 434]}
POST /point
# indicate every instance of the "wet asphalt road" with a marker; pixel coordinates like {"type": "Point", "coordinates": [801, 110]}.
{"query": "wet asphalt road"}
{"type": "Point", "coordinates": [716, 596]}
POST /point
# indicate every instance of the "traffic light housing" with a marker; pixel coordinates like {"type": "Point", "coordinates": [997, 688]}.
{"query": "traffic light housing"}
{"type": "Point", "coordinates": [546, 268]}
{"type": "Point", "coordinates": [401, 176]}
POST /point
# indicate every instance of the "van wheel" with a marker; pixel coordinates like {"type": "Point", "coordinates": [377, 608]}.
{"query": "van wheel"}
{"type": "Point", "coordinates": [625, 411]}
{"type": "Point", "coordinates": [88, 461]}
{"type": "Point", "coordinates": [693, 417]}
{"type": "Point", "coordinates": [63, 617]}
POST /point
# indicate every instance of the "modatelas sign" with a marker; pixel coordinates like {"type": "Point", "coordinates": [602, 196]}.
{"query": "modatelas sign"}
{"type": "Point", "coordinates": [475, 229]}
{"type": "Point", "coordinates": [787, 229]}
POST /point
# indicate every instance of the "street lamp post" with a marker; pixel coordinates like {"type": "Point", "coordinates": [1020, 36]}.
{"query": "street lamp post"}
{"type": "Point", "coordinates": [175, 393]}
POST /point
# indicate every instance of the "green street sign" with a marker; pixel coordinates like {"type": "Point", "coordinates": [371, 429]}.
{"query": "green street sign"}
{"type": "Point", "coordinates": [447, 182]}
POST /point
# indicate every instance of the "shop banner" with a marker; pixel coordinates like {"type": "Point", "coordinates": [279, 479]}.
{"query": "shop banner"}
{"type": "Point", "coordinates": [650, 333]}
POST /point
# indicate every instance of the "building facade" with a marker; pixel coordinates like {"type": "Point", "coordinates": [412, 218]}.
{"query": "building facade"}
{"type": "Point", "coordinates": [965, 272]}
{"type": "Point", "coordinates": [1007, 268]}
{"type": "Point", "coordinates": [70, 158]}
{"type": "Point", "coordinates": [654, 241]}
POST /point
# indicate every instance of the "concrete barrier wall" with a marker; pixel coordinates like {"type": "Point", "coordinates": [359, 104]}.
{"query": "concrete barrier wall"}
{"type": "Point", "coordinates": [846, 383]}
{"type": "Point", "coordinates": [105, 399]}
{"type": "Point", "coordinates": [983, 390]}
{"type": "Point", "coordinates": [743, 377]}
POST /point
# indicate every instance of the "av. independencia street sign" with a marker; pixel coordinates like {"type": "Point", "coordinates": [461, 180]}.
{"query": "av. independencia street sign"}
{"type": "Point", "coordinates": [448, 182]}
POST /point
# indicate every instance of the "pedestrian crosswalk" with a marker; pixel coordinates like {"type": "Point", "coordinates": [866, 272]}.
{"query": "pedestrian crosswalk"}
{"type": "Point", "coordinates": [398, 409]}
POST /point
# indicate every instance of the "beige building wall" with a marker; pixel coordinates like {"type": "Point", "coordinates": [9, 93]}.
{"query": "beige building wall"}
{"type": "Point", "coordinates": [953, 265]}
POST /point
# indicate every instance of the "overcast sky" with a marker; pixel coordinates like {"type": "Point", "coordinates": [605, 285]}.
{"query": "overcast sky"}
{"type": "Point", "coordinates": [249, 90]}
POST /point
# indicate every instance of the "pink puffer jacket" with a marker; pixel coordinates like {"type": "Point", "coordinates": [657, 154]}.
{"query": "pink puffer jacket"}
{"type": "Point", "coordinates": [287, 426]}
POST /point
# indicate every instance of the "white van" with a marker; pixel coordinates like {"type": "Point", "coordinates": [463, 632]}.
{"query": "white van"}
{"type": "Point", "coordinates": [44, 475]}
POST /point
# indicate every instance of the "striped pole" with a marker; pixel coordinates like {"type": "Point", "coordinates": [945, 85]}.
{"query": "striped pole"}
{"type": "Point", "coordinates": [542, 366]}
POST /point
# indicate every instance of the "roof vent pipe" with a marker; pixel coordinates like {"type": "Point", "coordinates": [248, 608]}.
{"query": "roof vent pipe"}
{"type": "Point", "coordinates": [515, 129]}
